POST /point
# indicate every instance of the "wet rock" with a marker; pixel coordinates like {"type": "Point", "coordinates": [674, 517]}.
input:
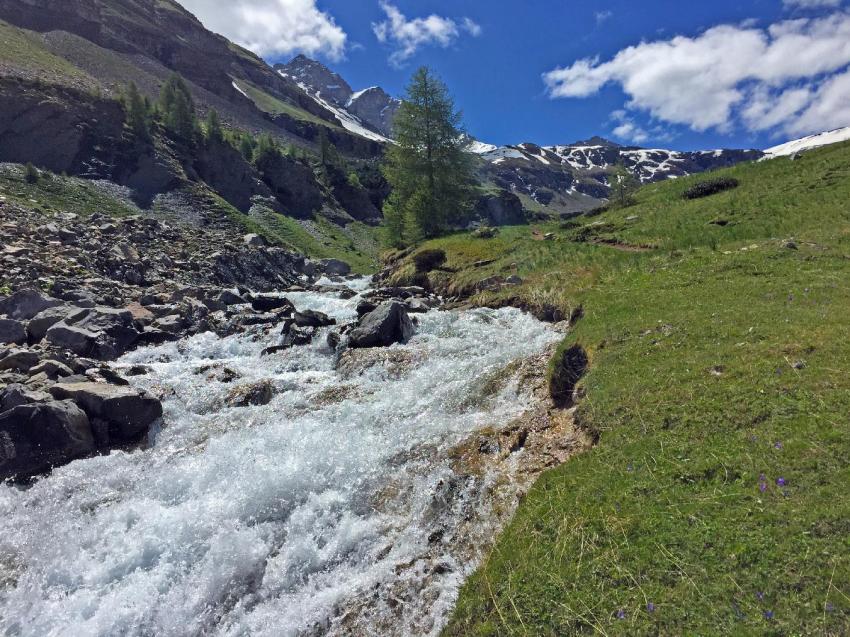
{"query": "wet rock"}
{"type": "Point", "coordinates": [297, 336]}
{"type": "Point", "coordinates": [384, 326]}
{"type": "Point", "coordinates": [129, 413]}
{"type": "Point", "coordinates": [254, 394]}
{"type": "Point", "coordinates": [12, 332]}
{"type": "Point", "coordinates": [36, 437]}
{"type": "Point", "coordinates": [269, 303]}
{"type": "Point", "coordinates": [417, 306]}
{"type": "Point", "coordinates": [172, 324]}
{"type": "Point", "coordinates": [364, 307]}
{"type": "Point", "coordinates": [20, 360]}
{"type": "Point", "coordinates": [335, 267]}
{"type": "Point", "coordinates": [310, 318]}
{"type": "Point", "coordinates": [228, 298]}
{"type": "Point", "coordinates": [25, 304]}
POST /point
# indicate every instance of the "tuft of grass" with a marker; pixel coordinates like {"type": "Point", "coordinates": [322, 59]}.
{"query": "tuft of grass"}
{"type": "Point", "coordinates": [715, 501]}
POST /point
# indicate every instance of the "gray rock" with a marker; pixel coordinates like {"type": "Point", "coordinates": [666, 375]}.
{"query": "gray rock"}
{"type": "Point", "coordinates": [128, 412]}
{"type": "Point", "coordinates": [170, 324]}
{"type": "Point", "coordinates": [16, 395]}
{"type": "Point", "coordinates": [384, 326]}
{"type": "Point", "coordinates": [53, 369]}
{"type": "Point", "coordinates": [20, 360]}
{"type": "Point", "coordinates": [36, 437]}
{"type": "Point", "coordinates": [228, 297]}
{"type": "Point", "coordinates": [254, 240]}
{"type": "Point", "coordinates": [43, 321]}
{"type": "Point", "coordinates": [255, 394]}
{"type": "Point", "coordinates": [269, 303]}
{"type": "Point", "coordinates": [12, 332]}
{"type": "Point", "coordinates": [310, 318]}
{"type": "Point", "coordinates": [25, 304]}
{"type": "Point", "coordinates": [75, 339]}
{"type": "Point", "coordinates": [335, 267]}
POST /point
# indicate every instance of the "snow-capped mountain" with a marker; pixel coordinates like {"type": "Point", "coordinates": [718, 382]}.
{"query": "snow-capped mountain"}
{"type": "Point", "coordinates": [368, 112]}
{"type": "Point", "coordinates": [574, 177]}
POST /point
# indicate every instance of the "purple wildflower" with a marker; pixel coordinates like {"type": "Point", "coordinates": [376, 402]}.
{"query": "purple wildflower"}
{"type": "Point", "coordinates": [829, 607]}
{"type": "Point", "coordinates": [650, 607]}
{"type": "Point", "coordinates": [768, 614]}
{"type": "Point", "coordinates": [762, 486]}
{"type": "Point", "coordinates": [777, 445]}
{"type": "Point", "coordinates": [760, 596]}
{"type": "Point", "coordinates": [780, 482]}
{"type": "Point", "coordinates": [621, 614]}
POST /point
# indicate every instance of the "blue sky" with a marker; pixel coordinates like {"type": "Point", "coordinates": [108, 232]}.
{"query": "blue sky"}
{"type": "Point", "coordinates": [674, 74]}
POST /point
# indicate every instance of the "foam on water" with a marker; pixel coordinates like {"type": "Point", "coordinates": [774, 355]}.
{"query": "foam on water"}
{"type": "Point", "coordinates": [268, 520]}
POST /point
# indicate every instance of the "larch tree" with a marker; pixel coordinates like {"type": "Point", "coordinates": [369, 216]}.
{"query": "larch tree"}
{"type": "Point", "coordinates": [428, 169]}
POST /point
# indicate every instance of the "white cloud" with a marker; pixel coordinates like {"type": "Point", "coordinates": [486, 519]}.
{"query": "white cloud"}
{"type": "Point", "coordinates": [762, 78]}
{"type": "Point", "coordinates": [273, 27]}
{"type": "Point", "coordinates": [409, 35]}
{"type": "Point", "coordinates": [812, 4]}
{"type": "Point", "coordinates": [603, 16]}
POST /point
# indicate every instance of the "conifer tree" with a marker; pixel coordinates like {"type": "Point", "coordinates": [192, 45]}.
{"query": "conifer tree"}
{"type": "Point", "coordinates": [178, 109]}
{"type": "Point", "coordinates": [623, 186]}
{"type": "Point", "coordinates": [246, 146]}
{"type": "Point", "coordinates": [215, 134]}
{"type": "Point", "coordinates": [428, 169]}
{"type": "Point", "coordinates": [138, 113]}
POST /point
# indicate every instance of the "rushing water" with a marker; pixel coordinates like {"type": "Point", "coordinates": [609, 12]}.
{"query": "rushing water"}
{"type": "Point", "coordinates": [306, 516]}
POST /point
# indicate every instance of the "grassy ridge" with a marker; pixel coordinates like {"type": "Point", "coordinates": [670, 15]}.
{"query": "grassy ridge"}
{"type": "Point", "coordinates": [716, 501]}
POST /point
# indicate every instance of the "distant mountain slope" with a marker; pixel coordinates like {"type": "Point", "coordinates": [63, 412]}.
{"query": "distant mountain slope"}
{"type": "Point", "coordinates": [575, 177]}
{"type": "Point", "coordinates": [371, 108]}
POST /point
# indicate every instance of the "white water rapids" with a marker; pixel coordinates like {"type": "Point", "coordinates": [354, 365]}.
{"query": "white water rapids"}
{"type": "Point", "coordinates": [307, 516]}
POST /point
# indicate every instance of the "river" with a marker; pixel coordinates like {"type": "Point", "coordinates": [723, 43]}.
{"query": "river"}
{"type": "Point", "coordinates": [334, 509]}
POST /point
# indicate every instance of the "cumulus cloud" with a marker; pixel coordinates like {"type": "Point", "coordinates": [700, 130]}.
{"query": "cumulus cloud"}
{"type": "Point", "coordinates": [408, 36]}
{"type": "Point", "coordinates": [730, 74]}
{"type": "Point", "coordinates": [273, 27]}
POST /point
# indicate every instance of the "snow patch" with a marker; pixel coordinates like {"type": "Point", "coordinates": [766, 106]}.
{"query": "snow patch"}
{"type": "Point", "coordinates": [238, 88]}
{"type": "Point", "coordinates": [807, 143]}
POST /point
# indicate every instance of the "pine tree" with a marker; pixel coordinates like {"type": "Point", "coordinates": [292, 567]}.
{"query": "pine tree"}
{"type": "Point", "coordinates": [267, 154]}
{"type": "Point", "coordinates": [247, 144]}
{"type": "Point", "coordinates": [31, 174]}
{"type": "Point", "coordinates": [428, 169]}
{"type": "Point", "coordinates": [178, 109]}
{"type": "Point", "coordinates": [138, 113]}
{"type": "Point", "coordinates": [215, 134]}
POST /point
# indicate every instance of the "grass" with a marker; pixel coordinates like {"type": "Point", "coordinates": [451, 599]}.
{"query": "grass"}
{"type": "Point", "coordinates": [23, 54]}
{"type": "Point", "coordinates": [274, 106]}
{"type": "Point", "coordinates": [53, 193]}
{"type": "Point", "coordinates": [716, 499]}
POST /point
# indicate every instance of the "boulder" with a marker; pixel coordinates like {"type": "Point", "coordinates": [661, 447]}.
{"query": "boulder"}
{"type": "Point", "coordinates": [335, 267]}
{"type": "Point", "coordinates": [364, 307]}
{"type": "Point", "coordinates": [12, 332]}
{"type": "Point", "coordinates": [228, 298]}
{"type": "Point", "coordinates": [310, 318]}
{"type": "Point", "coordinates": [43, 321]}
{"type": "Point", "coordinates": [53, 369]}
{"type": "Point", "coordinates": [19, 360]}
{"type": "Point", "coordinates": [75, 339]}
{"type": "Point", "coordinates": [384, 326]}
{"type": "Point", "coordinates": [25, 304]}
{"type": "Point", "coordinates": [36, 437]}
{"type": "Point", "coordinates": [296, 336]}
{"type": "Point", "coordinates": [269, 303]}
{"type": "Point", "coordinates": [254, 240]}
{"type": "Point", "coordinates": [254, 394]}
{"type": "Point", "coordinates": [16, 395]}
{"type": "Point", "coordinates": [128, 413]}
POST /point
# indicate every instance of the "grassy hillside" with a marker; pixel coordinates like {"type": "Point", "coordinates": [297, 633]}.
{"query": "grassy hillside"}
{"type": "Point", "coordinates": [716, 501]}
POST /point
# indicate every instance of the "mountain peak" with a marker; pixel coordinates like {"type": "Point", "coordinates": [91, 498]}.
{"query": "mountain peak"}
{"type": "Point", "coordinates": [596, 140]}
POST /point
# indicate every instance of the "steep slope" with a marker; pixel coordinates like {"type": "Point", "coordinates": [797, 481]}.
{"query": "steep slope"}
{"type": "Point", "coordinates": [808, 143]}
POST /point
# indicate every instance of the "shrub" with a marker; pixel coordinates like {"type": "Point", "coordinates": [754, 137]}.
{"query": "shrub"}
{"type": "Point", "coordinates": [428, 260]}
{"type": "Point", "coordinates": [31, 174]}
{"type": "Point", "coordinates": [710, 187]}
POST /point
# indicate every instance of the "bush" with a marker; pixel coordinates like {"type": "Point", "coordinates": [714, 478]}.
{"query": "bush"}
{"type": "Point", "coordinates": [428, 260]}
{"type": "Point", "coordinates": [710, 187]}
{"type": "Point", "coordinates": [31, 174]}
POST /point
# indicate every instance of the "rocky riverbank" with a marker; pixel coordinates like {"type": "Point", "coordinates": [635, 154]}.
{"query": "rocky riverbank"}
{"type": "Point", "coordinates": [81, 292]}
